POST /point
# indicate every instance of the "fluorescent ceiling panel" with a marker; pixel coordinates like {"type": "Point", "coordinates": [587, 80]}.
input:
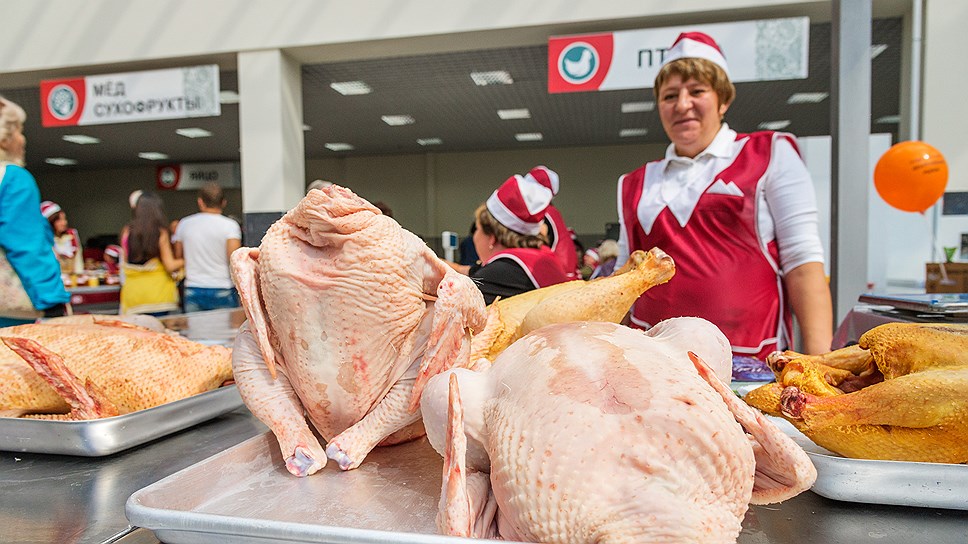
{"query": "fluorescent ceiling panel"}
{"type": "Point", "coordinates": [429, 141]}
{"type": "Point", "coordinates": [152, 155]}
{"type": "Point", "coordinates": [193, 132]}
{"type": "Point", "coordinates": [520, 113]}
{"type": "Point", "coordinates": [529, 137]}
{"type": "Point", "coordinates": [398, 120]}
{"type": "Point", "coordinates": [60, 161]}
{"type": "Point", "coordinates": [339, 146]}
{"type": "Point", "coordinates": [80, 139]}
{"type": "Point", "coordinates": [228, 97]}
{"type": "Point", "coordinates": [496, 77]}
{"type": "Point", "coordinates": [632, 132]}
{"type": "Point", "coordinates": [348, 88]}
{"type": "Point", "coordinates": [775, 125]}
{"type": "Point", "coordinates": [636, 107]}
{"type": "Point", "coordinates": [807, 98]}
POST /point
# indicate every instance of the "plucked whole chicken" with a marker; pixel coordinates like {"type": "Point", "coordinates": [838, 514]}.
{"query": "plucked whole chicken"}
{"type": "Point", "coordinates": [900, 394]}
{"type": "Point", "coordinates": [593, 432]}
{"type": "Point", "coordinates": [348, 316]}
{"type": "Point", "coordinates": [101, 368]}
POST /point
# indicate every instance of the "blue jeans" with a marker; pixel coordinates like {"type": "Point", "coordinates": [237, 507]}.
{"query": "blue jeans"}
{"type": "Point", "coordinates": [198, 299]}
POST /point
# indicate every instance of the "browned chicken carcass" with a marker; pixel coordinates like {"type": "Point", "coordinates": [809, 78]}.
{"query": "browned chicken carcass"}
{"type": "Point", "coordinates": [901, 394]}
{"type": "Point", "coordinates": [605, 299]}
{"type": "Point", "coordinates": [82, 371]}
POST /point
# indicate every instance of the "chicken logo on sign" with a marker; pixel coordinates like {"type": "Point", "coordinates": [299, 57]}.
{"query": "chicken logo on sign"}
{"type": "Point", "coordinates": [578, 63]}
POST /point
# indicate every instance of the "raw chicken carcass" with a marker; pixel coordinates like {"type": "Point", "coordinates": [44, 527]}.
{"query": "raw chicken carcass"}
{"type": "Point", "coordinates": [901, 394]}
{"type": "Point", "coordinates": [348, 316]}
{"type": "Point", "coordinates": [595, 432]}
{"type": "Point", "coordinates": [603, 299]}
{"type": "Point", "coordinates": [49, 368]}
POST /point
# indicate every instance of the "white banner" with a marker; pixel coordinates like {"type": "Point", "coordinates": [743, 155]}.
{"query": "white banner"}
{"type": "Point", "coordinates": [130, 97]}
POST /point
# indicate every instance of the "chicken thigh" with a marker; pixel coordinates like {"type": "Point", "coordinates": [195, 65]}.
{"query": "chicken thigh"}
{"type": "Point", "coordinates": [348, 316]}
{"type": "Point", "coordinates": [592, 432]}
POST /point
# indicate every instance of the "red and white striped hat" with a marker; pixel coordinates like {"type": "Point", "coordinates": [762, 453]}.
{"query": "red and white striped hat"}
{"type": "Point", "coordinates": [696, 45]}
{"type": "Point", "coordinates": [48, 208]}
{"type": "Point", "coordinates": [520, 203]}
{"type": "Point", "coordinates": [545, 176]}
{"type": "Point", "coordinates": [113, 251]}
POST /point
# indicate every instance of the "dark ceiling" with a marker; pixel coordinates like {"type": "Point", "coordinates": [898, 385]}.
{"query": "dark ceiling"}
{"type": "Point", "coordinates": [437, 91]}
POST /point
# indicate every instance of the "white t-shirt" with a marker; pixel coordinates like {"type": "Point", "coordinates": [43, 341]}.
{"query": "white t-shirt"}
{"type": "Point", "coordinates": [203, 237]}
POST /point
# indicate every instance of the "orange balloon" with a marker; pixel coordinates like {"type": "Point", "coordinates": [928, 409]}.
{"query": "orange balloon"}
{"type": "Point", "coordinates": [911, 176]}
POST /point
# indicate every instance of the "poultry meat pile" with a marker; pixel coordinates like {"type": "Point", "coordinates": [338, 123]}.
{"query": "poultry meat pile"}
{"type": "Point", "coordinates": [348, 316]}
{"type": "Point", "coordinates": [101, 368]}
{"type": "Point", "coordinates": [592, 432]}
{"type": "Point", "coordinates": [604, 299]}
{"type": "Point", "coordinates": [900, 394]}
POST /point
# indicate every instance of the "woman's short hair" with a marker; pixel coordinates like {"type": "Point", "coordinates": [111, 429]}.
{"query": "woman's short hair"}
{"type": "Point", "coordinates": [505, 236]}
{"type": "Point", "coordinates": [701, 70]}
{"type": "Point", "coordinates": [12, 117]}
{"type": "Point", "coordinates": [608, 249]}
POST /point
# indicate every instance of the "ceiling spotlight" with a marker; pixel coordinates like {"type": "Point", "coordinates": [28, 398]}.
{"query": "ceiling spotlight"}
{"type": "Point", "coordinates": [521, 113]}
{"type": "Point", "coordinates": [636, 107]}
{"type": "Point", "coordinates": [397, 120]}
{"type": "Point", "coordinates": [80, 139]}
{"type": "Point", "coordinates": [346, 88]}
{"type": "Point", "coordinates": [228, 97]}
{"type": "Point", "coordinates": [775, 125]}
{"type": "Point", "coordinates": [631, 132]}
{"type": "Point", "coordinates": [153, 155]}
{"type": "Point", "coordinates": [60, 161]}
{"type": "Point", "coordinates": [339, 146]}
{"type": "Point", "coordinates": [496, 77]}
{"type": "Point", "coordinates": [807, 98]}
{"type": "Point", "coordinates": [429, 141]}
{"type": "Point", "coordinates": [528, 137]}
{"type": "Point", "coordinates": [193, 132]}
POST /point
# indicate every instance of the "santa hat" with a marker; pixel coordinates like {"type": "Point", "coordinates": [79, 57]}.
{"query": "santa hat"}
{"type": "Point", "coordinates": [696, 45]}
{"type": "Point", "coordinates": [113, 251]}
{"type": "Point", "coordinates": [133, 198]}
{"type": "Point", "coordinates": [545, 176]}
{"type": "Point", "coordinates": [520, 203]}
{"type": "Point", "coordinates": [48, 209]}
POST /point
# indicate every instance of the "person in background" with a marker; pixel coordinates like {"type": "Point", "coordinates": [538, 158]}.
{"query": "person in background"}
{"type": "Point", "coordinates": [559, 236]}
{"type": "Point", "coordinates": [589, 261]}
{"type": "Point", "coordinates": [112, 258]}
{"type": "Point", "coordinates": [737, 212]}
{"type": "Point", "coordinates": [149, 264]}
{"type": "Point", "coordinates": [607, 255]}
{"type": "Point", "coordinates": [467, 253]}
{"type": "Point", "coordinates": [206, 240]}
{"type": "Point", "coordinates": [25, 237]}
{"type": "Point", "coordinates": [384, 208]}
{"type": "Point", "coordinates": [67, 242]}
{"type": "Point", "coordinates": [514, 254]}
{"type": "Point", "coordinates": [318, 184]}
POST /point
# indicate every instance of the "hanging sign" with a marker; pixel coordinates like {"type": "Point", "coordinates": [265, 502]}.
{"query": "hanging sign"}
{"type": "Point", "coordinates": [763, 50]}
{"type": "Point", "coordinates": [190, 176]}
{"type": "Point", "coordinates": [175, 93]}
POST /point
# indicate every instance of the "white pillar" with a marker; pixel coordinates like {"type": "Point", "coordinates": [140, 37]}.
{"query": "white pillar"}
{"type": "Point", "coordinates": [271, 136]}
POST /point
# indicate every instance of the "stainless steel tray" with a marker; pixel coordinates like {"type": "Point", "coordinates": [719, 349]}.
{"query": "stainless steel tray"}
{"type": "Point", "coordinates": [245, 494]}
{"type": "Point", "coordinates": [98, 437]}
{"type": "Point", "coordinates": [933, 485]}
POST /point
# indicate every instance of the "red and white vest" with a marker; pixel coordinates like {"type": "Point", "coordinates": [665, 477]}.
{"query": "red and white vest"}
{"type": "Point", "coordinates": [723, 271]}
{"type": "Point", "coordinates": [563, 246]}
{"type": "Point", "coordinates": [541, 265]}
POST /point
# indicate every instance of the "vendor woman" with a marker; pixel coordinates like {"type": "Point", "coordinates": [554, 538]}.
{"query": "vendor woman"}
{"type": "Point", "coordinates": [515, 257]}
{"type": "Point", "coordinates": [67, 242]}
{"type": "Point", "coordinates": [737, 212]}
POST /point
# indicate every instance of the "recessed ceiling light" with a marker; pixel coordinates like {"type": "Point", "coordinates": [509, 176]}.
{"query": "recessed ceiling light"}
{"type": "Point", "coordinates": [528, 137]}
{"type": "Point", "coordinates": [429, 141]}
{"type": "Point", "coordinates": [496, 77]}
{"type": "Point", "coordinates": [804, 98]}
{"type": "Point", "coordinates": [350, 87]}
{"type": "Point", "coordinates": [397, 120]}
{"type": "Point", "coordinates": [152, 155]}
{"type": "Point", "coordinates": [339, 146]}
{"type": "Point", "coordinates": [775, 125]}
{"type": "Point", "coordinates": [520, 113]}
{"type": "Point", "coordinates": [193, 132]}
{"type": "Point", "coordinates": [228, 97]}
{"type": "Point", "coordinates": [877, 49]}
{"type": "Point", "coordinates": [630, 132]}
{"type": "Point", "coordinates": [636, 107]}
{"type": "Point", "coordinates": [80, 139]}
{"type": "Point", "coordinates": [307, 127]}
{"type": "Point", "coordinates": [888, 119]}
{"type": "Point", "coordinates": [60, 161]}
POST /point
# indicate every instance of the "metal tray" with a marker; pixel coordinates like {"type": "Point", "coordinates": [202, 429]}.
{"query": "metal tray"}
{"type": "Point", "coordinates": [902, 483]}
{"type": "Point", "coordinates": [245, 494]}
{"type": "Point", "coordinates": [99, 437]}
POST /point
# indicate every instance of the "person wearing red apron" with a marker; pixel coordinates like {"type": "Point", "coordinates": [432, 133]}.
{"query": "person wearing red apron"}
{"type": "Point", "coordinates": [737, 213]}
{"type": "Point", "coordinates": [558, 233]}
{"type": "Point", "coordinates": [514, 256]}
